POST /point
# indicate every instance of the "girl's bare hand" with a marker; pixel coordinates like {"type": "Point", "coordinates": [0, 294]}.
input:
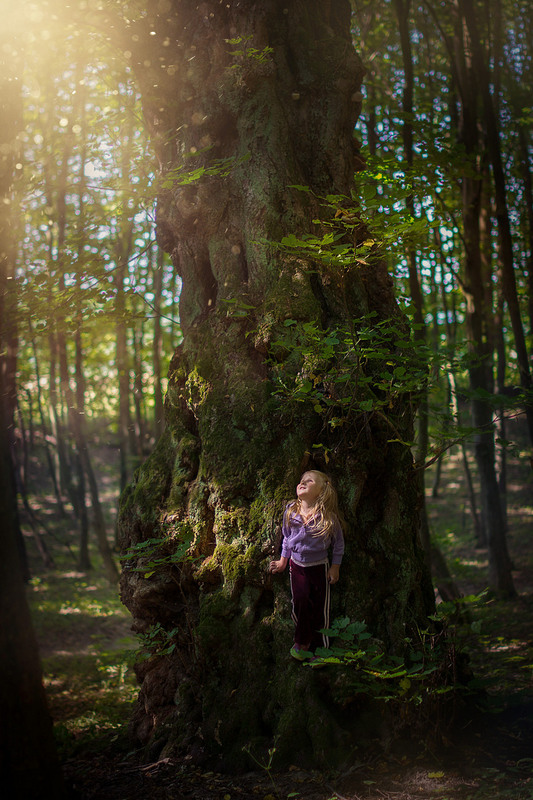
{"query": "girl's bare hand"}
{"type": "Point", "coordinates": [333, 573]}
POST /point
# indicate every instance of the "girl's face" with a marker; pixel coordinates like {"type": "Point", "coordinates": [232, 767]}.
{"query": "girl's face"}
{"type": "Point", "coordinates": [309, 488]}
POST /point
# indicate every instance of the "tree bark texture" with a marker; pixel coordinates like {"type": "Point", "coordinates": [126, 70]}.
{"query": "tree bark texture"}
{"type": "Point", "coordinates": [157, 345]}
{"type": "Point", "coordinates": [270, 90]}
{"type": "Point", "coordinates": [478, 314]}
{"type": "Point", "coordinates": [28, 760]}
{"type": "Point", "coordinates": [402, 8]}
{"type": "Point", "coordinates": [502, 211]}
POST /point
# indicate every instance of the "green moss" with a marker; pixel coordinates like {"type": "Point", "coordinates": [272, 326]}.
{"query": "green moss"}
{"type": "Point", "coordinates": [147, 494]}
{"type": "Point", "coordinates": [197, 388]}
{"type": "Point", "coordinates": [248, 601]}
{"type": "Point", "coordinates": [209, 572]}
{"type": "Point", "coordinates": [230, 524]}
{"type": "Point", "coordinates": [197, 499]}
{"type": "Point", "coordinates": [237, 560]}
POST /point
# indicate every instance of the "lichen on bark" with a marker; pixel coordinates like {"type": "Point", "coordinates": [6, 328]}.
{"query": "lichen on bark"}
{"type": "Point", "coordinates": [270, 91]}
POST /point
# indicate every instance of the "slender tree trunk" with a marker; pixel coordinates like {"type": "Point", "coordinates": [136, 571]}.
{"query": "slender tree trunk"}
{"type": "Point", "coordinates": [371, 123]}
{"type": "Point", "coordinates": [56, 333]}
{"type": "Point", "coordinates": [44, 426]}
{"type": "Point", "coordinates": [76, 421]}
{"type": "Point", "coordinates": [100, 527]}
{"type": "Point", "coordinates": [84, 558]}
{"type": "Point", "coordinates": [60, 469]}
{"type": "Point", "coordinates": [84, 561]}
{"type": "Point", "coordinates": [478, 327]}
{"type": "Point", "coordinates": [76, 424]}
{"type": "Point", "coordinates": [481, 384]}
{"type": "Point", "coordinates": [451, 331]}
{"type": "Point", "coordinates": [479, 530]}
{"type": "Point", "coordinates": [501, 366]}
{"type": "Point", "coordinates": [21, 472]}
{"type": "Point", "coordinates": [123, 371]}
{"type": "Point", "coordinates": [138, 389]}
{"type": "Point", "coordinates": [30, 428]}
{"type": "Point", "coordinates": [402, 8]}
{"type": "Point", "coordinates": [22, 465]}
{"type": "Point", "coordinates": [123, 251]}
{"type": "Point", "coordinates": [528, 198]}
{"type": "Point", "coordinates": [75, 479]}
{"type": "Point", "coordinates": [442, 576]}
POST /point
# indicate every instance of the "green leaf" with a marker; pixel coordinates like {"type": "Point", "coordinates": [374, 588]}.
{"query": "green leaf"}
{"type": "Point", "coordinates": [292, 241]}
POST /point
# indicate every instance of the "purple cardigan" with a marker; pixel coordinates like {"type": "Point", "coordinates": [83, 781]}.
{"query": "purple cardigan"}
{"type": "Point", "coordinates": [299, 542]}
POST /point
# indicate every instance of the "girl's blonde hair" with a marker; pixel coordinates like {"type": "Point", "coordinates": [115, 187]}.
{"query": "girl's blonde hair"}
{"type": "Point", "coordinates": [326, 509]}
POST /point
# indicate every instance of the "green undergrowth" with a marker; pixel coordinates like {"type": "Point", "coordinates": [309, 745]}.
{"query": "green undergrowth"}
{"type": "Point", "coordinates": [88, 650]}
{"type": "Point", "coordinates": [87, 653]}
{"type": "Point", "coordinates": [499, 642]}
{"type": "Point", "coordinates": [501, 651]}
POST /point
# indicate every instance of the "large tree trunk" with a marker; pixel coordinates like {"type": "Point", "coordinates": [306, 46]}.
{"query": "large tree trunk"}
{"type": "Point", "coordinates": [157, 259]}
{"type": "Point", "coordinates": [28, 761]}
{"type": "Point", "coordinates": [280, 104]}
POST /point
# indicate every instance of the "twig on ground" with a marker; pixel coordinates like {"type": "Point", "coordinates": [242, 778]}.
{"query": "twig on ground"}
{"type": "Point", "coordinates": [340, 796]}
{"type": "Point", "coordinates": [148, 767]}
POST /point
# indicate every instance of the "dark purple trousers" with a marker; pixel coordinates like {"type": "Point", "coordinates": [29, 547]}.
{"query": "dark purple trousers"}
{"type": "Point", "coordinates": [310, 604]}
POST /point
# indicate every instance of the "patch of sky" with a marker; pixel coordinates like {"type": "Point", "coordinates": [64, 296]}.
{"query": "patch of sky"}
{"type": "Point", "coordinates": [92, 170]}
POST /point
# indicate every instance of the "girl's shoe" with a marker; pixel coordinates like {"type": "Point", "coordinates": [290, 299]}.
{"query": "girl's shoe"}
{"type": "Point", "coordinates": [300, 655]}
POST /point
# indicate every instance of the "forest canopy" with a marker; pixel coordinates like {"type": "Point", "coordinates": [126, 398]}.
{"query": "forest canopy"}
{"type": "Point", "coordinates": [87, 269]}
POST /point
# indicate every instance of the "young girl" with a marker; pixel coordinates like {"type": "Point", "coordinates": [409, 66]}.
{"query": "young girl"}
{"type": "Point", "coordinates": [310, 527]}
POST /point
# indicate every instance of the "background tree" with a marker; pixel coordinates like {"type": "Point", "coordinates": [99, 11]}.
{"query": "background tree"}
{"type": "Point", "coordinates": [28, 762]}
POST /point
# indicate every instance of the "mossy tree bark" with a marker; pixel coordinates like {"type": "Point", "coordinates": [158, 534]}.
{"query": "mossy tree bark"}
{"type": "Point", "coordinates": [274, 88]}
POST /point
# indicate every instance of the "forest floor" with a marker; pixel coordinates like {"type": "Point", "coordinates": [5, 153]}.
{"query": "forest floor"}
{"type": "Point", "coordinates": [88, 650]}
